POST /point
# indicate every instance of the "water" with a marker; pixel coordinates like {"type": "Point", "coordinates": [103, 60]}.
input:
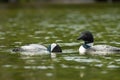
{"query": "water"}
{"type": "Point", "coordinates": [63, 26]}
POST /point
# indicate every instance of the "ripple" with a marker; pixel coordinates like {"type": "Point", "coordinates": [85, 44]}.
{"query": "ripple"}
{"type": "Point", "coordinates": [10, 66]}
{"type": "Point", "coordinates": [17, 42]}
{"type": "Point", "coordinates": [2, 46]}
{"type": "Point", "coordinates": [64, 66]}
{"type": "Point", "coordinates": [70, 44]}
{"type": "Point", "coordinates": [39, 67]}
{"type": "Point", "coordinates": [113, 66]}
{"type": "Point", "coordinates": [78, 59]}
{"type": "Point", "coordinates": [39, 32]}
{"type": "Point", "coordinates": [75, 67]}
{"type": "Point", "coordinates": [104, 72]}
{"type": "Point", "coordinates": [114, 42]}
{"type": "Point", "coordinates": [98, 65]}
{"type": "Point", "coordinates": [2, 38]}
{"type": "Point", "coordinates": [69, 51]}
{"type": "Point", "coordinates": [118, 60]}
{"type": "Point", "coordinates": [49, 74]}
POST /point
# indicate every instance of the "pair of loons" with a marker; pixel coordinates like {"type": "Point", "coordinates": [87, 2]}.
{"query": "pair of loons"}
{"type": "Point", "coordinates": [86, 48]}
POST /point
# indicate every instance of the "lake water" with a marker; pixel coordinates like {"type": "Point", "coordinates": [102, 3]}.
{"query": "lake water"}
{"type": "Point", "coordinates": [60, 25]}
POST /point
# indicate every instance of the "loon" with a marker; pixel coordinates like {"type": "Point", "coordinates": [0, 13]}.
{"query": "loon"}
{"type": "Point", "coordinates": [88, 48]}
{"type": "Point", "coordinates": [33, 49]}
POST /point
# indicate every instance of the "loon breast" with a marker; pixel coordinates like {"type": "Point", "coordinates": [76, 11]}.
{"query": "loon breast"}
{"type": "Point", "coordinates": [103, 49]}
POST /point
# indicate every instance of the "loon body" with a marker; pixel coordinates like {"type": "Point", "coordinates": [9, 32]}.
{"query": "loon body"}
{"type": "Point", "coordinates": [88, 48]}
{"type": "Point", "coordinates": [33, 49]}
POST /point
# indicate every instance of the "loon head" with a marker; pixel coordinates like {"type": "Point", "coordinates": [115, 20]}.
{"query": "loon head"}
{"type": "Point", "coordinates": [88, 39]}
{"type": "Point", "coordinates": [86, 36]}
{"type": "Point", "coordinates": [54, 48]}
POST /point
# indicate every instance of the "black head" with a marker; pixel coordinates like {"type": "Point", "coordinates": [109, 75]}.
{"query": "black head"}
{"type": "Point", "coordinates": [86, 36]}
{"type": "Point", "coordinates": [54, 48]}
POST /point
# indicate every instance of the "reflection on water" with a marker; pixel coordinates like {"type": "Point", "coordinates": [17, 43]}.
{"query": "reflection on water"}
{"type": "Point", "coordinates": [46, 26]}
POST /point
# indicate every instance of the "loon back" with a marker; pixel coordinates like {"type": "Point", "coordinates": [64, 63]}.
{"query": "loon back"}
{"type": "Point", "coordinates": [103, 50]}
{"type": "Point", "coordinates": [31, 48]}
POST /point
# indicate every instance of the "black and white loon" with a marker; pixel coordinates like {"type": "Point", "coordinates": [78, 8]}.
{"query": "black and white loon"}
{"type": "Point", "coordinates": [33, 49]}
{"type": "Point", "coordinates": [88, 48]}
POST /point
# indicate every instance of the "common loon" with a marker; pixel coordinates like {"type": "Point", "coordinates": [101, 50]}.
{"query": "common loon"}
{"type": "Point", "coordinates": [33, 49]}
{"type": "Point", "coordinates": [88, 48]}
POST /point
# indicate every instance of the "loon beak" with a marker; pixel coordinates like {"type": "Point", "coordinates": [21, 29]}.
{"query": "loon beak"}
{"type": "Point", "coordinates": [80, 37]}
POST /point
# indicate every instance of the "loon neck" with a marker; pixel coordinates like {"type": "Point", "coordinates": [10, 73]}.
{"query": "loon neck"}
{"type": "Point", "coordinates": [87, 45]}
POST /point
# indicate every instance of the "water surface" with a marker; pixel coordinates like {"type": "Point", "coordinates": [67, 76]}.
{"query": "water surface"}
{"type": "Point", "coordinates": [60, 25]}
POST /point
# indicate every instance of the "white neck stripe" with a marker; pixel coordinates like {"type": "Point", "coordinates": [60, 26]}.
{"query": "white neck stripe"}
{"type": "Point", "coordinates": [53, 45]}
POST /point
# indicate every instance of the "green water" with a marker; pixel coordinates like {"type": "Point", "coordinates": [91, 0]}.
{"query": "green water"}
{"type": "Point", "coordinates": [60, 25]}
